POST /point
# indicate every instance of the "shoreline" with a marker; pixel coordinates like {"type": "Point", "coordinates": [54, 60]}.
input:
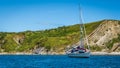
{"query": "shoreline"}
{"type": "Point", "coordinates": [105, 53]}
{"type": "Point", "coordinates": [92, 53]}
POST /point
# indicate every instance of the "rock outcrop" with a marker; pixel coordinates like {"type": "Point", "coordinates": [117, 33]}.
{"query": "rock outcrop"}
{"type": "Point", "coordinates": [105, 32]}
{"type": "Point", "coordinates": [116, 47]}
{"type": "Point", "coordinates": [19, 38]}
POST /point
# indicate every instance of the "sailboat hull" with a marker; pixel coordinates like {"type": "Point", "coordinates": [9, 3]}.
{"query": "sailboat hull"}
{"type": "Point", "coordinates": [79, 55]}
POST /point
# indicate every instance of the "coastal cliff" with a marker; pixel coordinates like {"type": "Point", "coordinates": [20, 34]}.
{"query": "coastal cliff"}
{"type": "Point", "coordinates": [106, 36]}
{"type": "Point", "coordinates": [103, 36]}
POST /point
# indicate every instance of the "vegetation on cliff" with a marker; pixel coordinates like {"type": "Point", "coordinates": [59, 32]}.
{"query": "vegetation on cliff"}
{"type": "Point", "coordinates": [56, 39]}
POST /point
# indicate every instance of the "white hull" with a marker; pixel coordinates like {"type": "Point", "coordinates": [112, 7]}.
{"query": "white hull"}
{"type": "Point", "coordinates": [80, 55]}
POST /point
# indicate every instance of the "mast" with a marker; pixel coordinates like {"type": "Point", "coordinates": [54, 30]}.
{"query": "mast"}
{"type": "Point", "coordinates": [83, 36]}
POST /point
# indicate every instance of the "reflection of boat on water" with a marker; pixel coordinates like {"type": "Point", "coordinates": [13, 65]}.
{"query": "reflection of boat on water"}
{"type": "Point", "coordinates": [80, 50]}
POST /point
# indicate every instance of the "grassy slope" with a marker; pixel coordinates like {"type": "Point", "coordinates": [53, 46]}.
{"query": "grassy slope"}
{"type": "Point", "coordinates": [55, 39]}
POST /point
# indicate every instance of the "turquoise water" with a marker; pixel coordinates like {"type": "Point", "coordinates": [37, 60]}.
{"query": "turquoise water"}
{"type": "Point", "coordinates": [58, 61]}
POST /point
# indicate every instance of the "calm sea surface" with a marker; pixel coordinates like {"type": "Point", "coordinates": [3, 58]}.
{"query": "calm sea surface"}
{"type": "Point", "coordinates": [58, 61]}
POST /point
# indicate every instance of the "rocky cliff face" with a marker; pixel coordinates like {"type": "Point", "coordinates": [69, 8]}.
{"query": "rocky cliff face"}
{"type": "Point", "coordinates": [116, 47]}
{"type": "Point", "coordinates": [105, 32]}
{"type": "Point", "coordinates": [19, 38]}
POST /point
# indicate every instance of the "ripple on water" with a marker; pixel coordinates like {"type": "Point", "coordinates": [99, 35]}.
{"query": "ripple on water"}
{"type": "Point", "coordinates": [58, 61]}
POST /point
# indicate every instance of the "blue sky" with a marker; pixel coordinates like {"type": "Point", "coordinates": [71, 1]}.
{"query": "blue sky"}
{"type": "Point", "coordinates": [22, 15]}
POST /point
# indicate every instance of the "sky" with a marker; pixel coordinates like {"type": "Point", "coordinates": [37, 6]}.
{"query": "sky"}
{"type": "Point", "coordinates": [23, 15]}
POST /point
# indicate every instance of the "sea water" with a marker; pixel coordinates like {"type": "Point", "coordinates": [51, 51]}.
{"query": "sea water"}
{"type": "Point", "coordinates": [58, 61]}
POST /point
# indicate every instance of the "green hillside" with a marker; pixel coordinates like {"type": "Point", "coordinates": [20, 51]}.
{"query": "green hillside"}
{"type": "Point", "coordinates": [56, 39]}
